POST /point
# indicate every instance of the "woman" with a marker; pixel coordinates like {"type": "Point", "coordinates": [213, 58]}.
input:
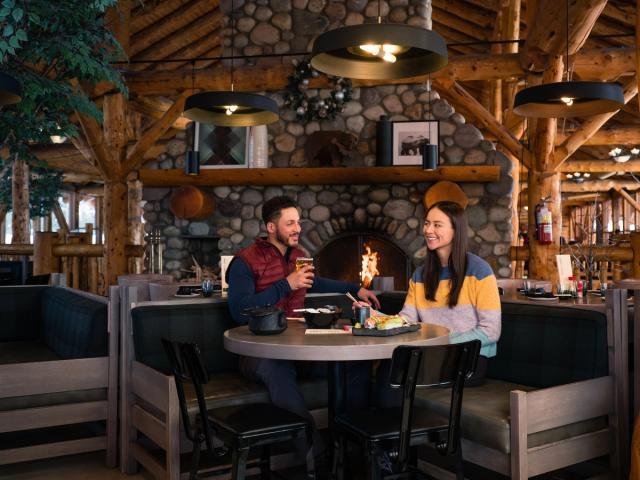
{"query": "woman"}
{"type": "Point", "coordinates": [454, 288]}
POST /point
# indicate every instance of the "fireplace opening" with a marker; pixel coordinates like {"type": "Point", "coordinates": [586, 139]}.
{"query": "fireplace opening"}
{"type": "Point", "coordinates": [342, 259]}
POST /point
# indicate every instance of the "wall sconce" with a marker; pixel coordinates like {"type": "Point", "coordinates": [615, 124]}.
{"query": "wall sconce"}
{"type": "Point", "coordinates": [192, 162]}
{"type": "Point", "coordinates": [430, 156]}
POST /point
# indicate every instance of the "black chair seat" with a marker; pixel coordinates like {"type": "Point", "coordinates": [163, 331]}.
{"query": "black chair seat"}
{"type": "Point", "coordinates": [384, 424]}
{"type": "Point", "coordinates": [258, 419]}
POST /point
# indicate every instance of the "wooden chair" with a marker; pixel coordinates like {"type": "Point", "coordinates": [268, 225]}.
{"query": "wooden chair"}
{"type": "Point", "coordinates": [396, 430]}
{"type": "Point", "coordinates": [240, 427]}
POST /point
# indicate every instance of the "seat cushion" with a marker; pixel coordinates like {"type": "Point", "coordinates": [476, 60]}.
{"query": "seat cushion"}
{"type": "Point", "coordinates": [384, 423]}
{"type": "Point", "coordinates": [25, 352]}
{"type": "Point", "coordinates": [228, 389]}
{"type": "Point", "coordinates": [486, 419]}
{"type": "Point", "coordinates": [256, 420]}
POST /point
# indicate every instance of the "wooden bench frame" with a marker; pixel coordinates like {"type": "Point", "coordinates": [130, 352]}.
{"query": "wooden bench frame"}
{"type": "Point", "coordinates": [547, 408]}
{"type": "Point", "coordinates": [36, 378]}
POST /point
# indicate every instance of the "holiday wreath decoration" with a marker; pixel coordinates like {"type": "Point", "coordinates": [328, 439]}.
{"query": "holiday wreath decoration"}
{"type": "Point", "coordinates": [315, 108]}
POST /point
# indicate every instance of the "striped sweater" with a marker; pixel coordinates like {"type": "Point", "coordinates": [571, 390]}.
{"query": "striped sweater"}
{"type": "Point", "coordinates": [477, 314]}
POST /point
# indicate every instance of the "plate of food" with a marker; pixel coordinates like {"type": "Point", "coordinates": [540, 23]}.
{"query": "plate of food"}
{"type": "Point", "coordinates": [385, 326]}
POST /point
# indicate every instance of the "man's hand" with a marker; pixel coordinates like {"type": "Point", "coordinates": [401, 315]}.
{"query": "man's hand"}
{"type": "Point", "coordinates": [302, 278]}
{"type": "Point", "coordinates": [369, 297]}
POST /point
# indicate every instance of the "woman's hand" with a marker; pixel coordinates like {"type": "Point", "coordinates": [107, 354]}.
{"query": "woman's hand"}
{"type": "Point", "coordinates": [369, 297]}
{"type": "Point", "coordinates": [302, 278]}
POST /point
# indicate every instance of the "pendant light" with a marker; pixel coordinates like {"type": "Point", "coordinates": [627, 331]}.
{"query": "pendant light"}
{"type": "Point", "coordinates": [192, 161]}
{"type": "Point", "coordinates": [231, 109]}
{"type": "Point", "coordinates": [568, 99]}
{"type": "Point", "coordinates": [10, 90]}
{"type": "Point", "coordinates": [379, 51]}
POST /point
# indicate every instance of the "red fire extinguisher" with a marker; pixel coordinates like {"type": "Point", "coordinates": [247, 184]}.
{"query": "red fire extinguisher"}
{"type": "Point", "coordinates": [543, 223]}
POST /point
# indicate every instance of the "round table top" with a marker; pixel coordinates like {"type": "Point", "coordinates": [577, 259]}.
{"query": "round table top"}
{"type": "Point", "coordinates": [293, 344]}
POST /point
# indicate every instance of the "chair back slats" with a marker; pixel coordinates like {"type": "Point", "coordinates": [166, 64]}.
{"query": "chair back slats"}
{"type": "Point", "coordinates": [432, 367]}
{"type": "Point", "coordinates": [181, 376]}
{"type": "Point", "coordinates": [199, 376]}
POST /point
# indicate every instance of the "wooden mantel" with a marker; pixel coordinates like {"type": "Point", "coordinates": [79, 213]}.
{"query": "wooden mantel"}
{"type": "Point", "coordinates": [317, 176]}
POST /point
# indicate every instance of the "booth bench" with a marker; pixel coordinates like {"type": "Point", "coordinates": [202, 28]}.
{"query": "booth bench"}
{"type": "Point", "coordinates": [150, 418]}
{"type": "Point", "coordinates": [58, 371]}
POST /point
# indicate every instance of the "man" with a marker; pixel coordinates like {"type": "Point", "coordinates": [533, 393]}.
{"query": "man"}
{"type": "Point", "coordinates": [265, 274]}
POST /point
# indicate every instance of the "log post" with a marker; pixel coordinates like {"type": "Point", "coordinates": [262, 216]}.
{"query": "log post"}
{"type": "Point", "coordinates": [136, 229]}
{"type": "Point", "coordinates": [635, 246]}
{"type": "Point", "coordinates": [44, 261]}
{"type": "Point", "coordinates": [544, 183]}
{"type": "Point", "coordinates": [115, 216]}
{"type": "Point", "coordinates": [20, 200]}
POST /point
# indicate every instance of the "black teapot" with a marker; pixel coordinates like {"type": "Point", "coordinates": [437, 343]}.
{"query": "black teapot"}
{"type": "Point", "coordinates": [267, 320]}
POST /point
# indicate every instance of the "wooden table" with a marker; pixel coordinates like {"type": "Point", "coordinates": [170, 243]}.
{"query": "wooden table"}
{"type": "Point", "coordinates": [294, 344]}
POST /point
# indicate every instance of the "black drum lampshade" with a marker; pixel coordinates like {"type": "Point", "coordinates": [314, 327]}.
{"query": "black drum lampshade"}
{"type": "Point", "coordinates": [379, 51]}
{"type": "Point", "coordinates": [231, 109]}
{"type": "Point", "coordinates": [568, 99]}
{"type": "Point", "coordinates": [192, 163]}
{"type": "Point", "coordinates": [430, 156]}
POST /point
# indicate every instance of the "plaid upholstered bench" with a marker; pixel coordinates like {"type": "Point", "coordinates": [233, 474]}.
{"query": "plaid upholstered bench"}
{"type": "Point", "coordinates": [552, 395]}
{"type": "Point", "coordinates": [56, 396]}
{"type": "Point", "coordinates": [150, 416]}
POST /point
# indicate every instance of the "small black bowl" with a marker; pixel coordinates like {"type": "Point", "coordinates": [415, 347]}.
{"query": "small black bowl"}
{"type": "Point", "coordinates": [323, 320]}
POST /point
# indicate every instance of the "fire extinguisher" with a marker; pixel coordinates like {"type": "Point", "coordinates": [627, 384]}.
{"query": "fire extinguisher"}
{"type": "Point", "coordinates": [543, 223]}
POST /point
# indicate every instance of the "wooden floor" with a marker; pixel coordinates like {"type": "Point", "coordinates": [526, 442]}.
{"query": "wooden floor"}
{"type": "Point", "coordinates": [89, 466]}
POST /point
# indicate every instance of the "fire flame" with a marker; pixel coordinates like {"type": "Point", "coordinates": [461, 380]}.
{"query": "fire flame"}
{"type": "Point", "coordinates": [369, 266]}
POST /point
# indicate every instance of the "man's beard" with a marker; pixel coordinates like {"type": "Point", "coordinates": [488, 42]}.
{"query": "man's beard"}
{"type": "Point", "coordinates": [286, 240]}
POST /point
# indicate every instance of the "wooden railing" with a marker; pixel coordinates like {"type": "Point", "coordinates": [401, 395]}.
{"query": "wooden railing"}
{"type": "Point", "coordinates": [80, 262]}
{"type": "Point", "coordinates": [617, 261]}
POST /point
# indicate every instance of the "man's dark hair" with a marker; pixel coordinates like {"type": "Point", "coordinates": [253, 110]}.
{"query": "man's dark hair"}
{"type": "Point", "coordinates": [272, 208]}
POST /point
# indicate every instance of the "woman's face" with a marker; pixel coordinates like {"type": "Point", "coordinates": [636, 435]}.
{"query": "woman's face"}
{"type": "Point", "coordinates": [438, 230]}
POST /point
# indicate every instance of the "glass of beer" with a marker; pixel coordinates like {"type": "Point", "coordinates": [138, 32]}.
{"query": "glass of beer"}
{"type": "Point", "coordinates": [302, 261]}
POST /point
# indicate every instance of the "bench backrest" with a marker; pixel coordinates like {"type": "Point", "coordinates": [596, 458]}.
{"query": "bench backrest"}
{"type": "Point", "coordinates": [543, 346]}
{"type": "Point", "coordinates": [20, 313]}
{"type": "Point", "coordinates": [203, 323]}
{"type": "Point", "coordinates": [74, 325]}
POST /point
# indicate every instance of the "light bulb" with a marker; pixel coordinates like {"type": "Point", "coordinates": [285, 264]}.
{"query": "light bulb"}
{"type": "Point", "coordinates": [577, 174]}
{"type": "Point", "coordinates": [230, 109]}
{"type": "Point", "coordinates": [569, 176]}
{"type": "Point", "coordinates": [567, 100]}
{"type": "Point", "coordinates": [57, 139]}
{"type": "Point", "coordinates": [389, 57]}
{"type": "Point", "coordinates": [371, 49]}
{"type": "Point", "coordinates": [635, 151]}
{"type": "Point", "coordinates": [586, 174]}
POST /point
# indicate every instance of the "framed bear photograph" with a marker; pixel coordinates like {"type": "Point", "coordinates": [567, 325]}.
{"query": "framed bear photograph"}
{"type": "Point", "coordinates": [407, 138]}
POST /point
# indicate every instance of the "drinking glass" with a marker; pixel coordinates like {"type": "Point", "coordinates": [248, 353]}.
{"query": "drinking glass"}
{"type": "Point", "coordinates": [207, 287]}
{"type": "Point", "coordinates": [529, 286]}
{"type": "Point", "coordinates": [302, 261]}
{"type": "Point", "coordinates": [603, 289]}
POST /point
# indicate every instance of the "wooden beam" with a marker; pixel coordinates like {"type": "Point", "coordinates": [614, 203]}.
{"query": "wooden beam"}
{"type": "Point", "coordinates": [192, 31]}
{"type": "Point", "coordinates": [149, 14]}
{"type": "Point", "coordinates": [156, 33]}
{"type": "Point", "coordinates": [638, 48]}
{"type": "Point", "coordinates": [480, 17]}
{"type": "Point", "coordinates": [94, 141]}
{"type": "Point", "coordinates": [460, 24]}
{"type": "Point", "coordinates": [136, 154]}
{"type": "Point", "coordinates": [62, 221]}
{"type": "Point", "coordinates": [20, 202]}
{"type": "Point", "coordinates": [602, 166]}
{"type": "Point", "coordinates": [65, 157]}
{"type": "Point", "coordinates": [628, 198]}
{"type": "Point", "coordinates": [317, 176]}
{"type": "Point", "coordinates": [599, 186]}
{"type": "Point", "coordinates": [589, 128]}
{"type": "Point", "coordinates": [618, 135]}
{"type": "Point", "coordinates": [449, 88]}
{"type": "Point", "coordinates": [156, 108]}
{"type": "Point", "coordinates": [601, 64]}
{"type": "Point", "coordinates": [548, 34]}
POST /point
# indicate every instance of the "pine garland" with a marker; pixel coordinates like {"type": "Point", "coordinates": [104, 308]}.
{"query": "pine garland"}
{"type": "Point", "coordinates": [316, 108]}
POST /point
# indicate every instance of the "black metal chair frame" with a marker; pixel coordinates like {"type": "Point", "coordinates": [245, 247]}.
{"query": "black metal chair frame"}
{"type": "Point", "coordinates": [187, 366]}
{"type": "Point", "coordinates": [416, 367]}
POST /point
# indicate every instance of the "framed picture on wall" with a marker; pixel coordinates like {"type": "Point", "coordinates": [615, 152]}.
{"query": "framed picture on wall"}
{"type": "Point", "coordinates": [220, 147]}
{"type": "Point", "coordinates": [407, 137]}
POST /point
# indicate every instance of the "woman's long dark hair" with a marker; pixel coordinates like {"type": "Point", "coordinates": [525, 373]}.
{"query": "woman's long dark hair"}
{"type": "Point", "coordinates": [457, 260]}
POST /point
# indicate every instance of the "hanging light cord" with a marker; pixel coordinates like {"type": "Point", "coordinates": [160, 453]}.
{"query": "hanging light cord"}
{"type": "Point", "coordinates": [233, 34]}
